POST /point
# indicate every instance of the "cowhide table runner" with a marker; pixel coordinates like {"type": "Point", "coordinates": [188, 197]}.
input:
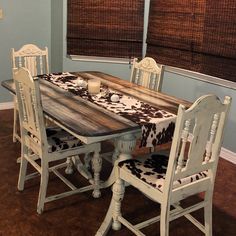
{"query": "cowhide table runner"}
{"type": "Point", "coordinates": [157, 125]}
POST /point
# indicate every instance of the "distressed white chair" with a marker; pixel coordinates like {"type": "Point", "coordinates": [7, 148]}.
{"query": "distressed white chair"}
{"type": "Point", "coordinates": [147, 73]}
{"type": "Point", "coordinates": [189, 169]}
{"type": "Point", "coordinates": [36, 61]}
{"type": "Point", "coordinates": [47, 145]}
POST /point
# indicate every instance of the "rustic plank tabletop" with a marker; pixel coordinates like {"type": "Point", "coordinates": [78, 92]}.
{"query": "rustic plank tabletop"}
{"type": "Point", "coordinates": [89, 121]}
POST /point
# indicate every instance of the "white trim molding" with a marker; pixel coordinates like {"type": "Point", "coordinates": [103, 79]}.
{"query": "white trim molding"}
{"type": "Point", "coordinates": [202, 77]}
{"type": "Point", "coordinates": [6, 105]}
{"type": "Point", "coordinates": [228, 155]}
{"type": "Point", "coordinates": [100, 59]}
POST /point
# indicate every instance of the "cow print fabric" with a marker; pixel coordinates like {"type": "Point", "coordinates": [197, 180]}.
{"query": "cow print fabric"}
{"type": "Point", "coordinates": [59, 140]}
{"type": "Point", "coordinates": [152, 170]}
{"type": "Point", "coordinates": [157, 125]}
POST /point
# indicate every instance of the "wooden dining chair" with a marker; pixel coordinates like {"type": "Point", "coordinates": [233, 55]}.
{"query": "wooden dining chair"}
{"type": "Point", "coordinates": [189, 169]}
{"type": "Point", "coordinates": [147, 73]}
{"type": "Point", "coordinates": [36, 61]}
{"type": "Point", "coordinates": [46, 145]}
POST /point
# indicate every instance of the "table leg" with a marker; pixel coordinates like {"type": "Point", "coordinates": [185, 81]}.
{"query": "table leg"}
{"type": "Point", "coordinates": [69, 166]}
{"type": "Point", "coordinates": [124, 146]}
{"type": "Point", "coordinates": [97, 166]}
{"type": "Point", "coordinates": [116, 152]}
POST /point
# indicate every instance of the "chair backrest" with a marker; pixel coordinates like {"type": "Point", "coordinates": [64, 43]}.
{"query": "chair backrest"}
{"type": "Point", "coordinates": [32, 58]}
{"type": "Point", "coordinates": [147, 73]}
{"type": "Point", "coordinates": [33, 132]}
{"type": "Point", "coordinates": [195, 147]}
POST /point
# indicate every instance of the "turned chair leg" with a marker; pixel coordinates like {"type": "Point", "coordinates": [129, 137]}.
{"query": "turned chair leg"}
{"type": "Point", "coordinates": [118, 190]}
{"type": "Point", "coordinates": [69, 166]}
{"type": "Point", "coordinates": [96, 166]}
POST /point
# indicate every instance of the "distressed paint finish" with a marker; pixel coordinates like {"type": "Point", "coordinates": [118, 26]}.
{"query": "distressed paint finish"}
{"type": "Point", "coordinates": [204, 121]}
{"type": "Point", "coordinates": [147, 73]}
{"type": "Point", "coordinates": [35, 144]}
{"type": "Point", "coordinates": [89, 122]}
{"type": "Point", "coordinates": [36, 61]}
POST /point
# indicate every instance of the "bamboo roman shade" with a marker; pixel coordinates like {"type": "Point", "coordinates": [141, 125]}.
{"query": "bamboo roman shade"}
{"type": "Point", "coordinates": [105, 28]}
{"type": "Point", "coordinates": [198, 35]}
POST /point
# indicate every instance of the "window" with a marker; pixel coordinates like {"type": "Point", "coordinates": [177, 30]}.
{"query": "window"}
{"type": "Point", "coordinates": [198, 35]}
{"type": "Point", "coordinates": [105, 28]}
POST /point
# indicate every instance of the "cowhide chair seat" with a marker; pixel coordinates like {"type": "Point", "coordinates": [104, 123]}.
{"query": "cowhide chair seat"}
{"type": "Point", "coordinates": [188, 170]}
{"type": "Point", "coordinates": [152, 170]}
{"type": "Point", "coordinates": [50, 146]}
{"type": "Point", "coordinates": [59, 139]}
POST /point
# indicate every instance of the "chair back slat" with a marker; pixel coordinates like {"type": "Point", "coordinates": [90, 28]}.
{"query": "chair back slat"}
{"type": "Point", "coordinates": [20, 62]}
{"type": "Point", "coordinates": [197, 140]}
{"type": "Point", "coordinates": [147, 73]}
{"type": "Point", "coordinates": [32, 58]}
{"type": "Point", "coordinates": [30, 109]}
{"type": "Point", "coordinates": [185, 134]}
{"type": "Point", "coordinates": [212, 137]}
{"type": "Point", "coordinates": [31, 64]}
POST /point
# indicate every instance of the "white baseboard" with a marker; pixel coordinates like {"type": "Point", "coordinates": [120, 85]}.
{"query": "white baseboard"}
{"type": "Point", "coordinates": [228, 155]}
{"type": "Point", "coordinates": [6, 105]}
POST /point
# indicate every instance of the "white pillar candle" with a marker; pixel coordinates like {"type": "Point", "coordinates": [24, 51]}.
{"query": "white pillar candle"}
{"type": "Point", "coordinates": [94, 86]}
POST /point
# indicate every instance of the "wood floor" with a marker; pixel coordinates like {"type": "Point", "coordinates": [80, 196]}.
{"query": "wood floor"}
{"type": "Point", "coordinates": [81, 214]}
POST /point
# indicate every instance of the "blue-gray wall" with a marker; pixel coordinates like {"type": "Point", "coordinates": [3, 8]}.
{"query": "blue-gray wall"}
{"type": "Point", "coordinates": [57, 35]}
{"type": "Point", "coordinates": [190, 89]}
{"type": "Point", "coordinates": [25, 21]}
{"type": "Point", "coordinates": [180, 86]}
{"type": "Point", "coordinates": [44, 23]}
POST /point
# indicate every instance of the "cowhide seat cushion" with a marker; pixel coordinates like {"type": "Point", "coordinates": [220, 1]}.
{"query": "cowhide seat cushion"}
{"type": "Point", "coordinates": [152, 170]}
{"type": "Point", "coordinates": [59, 139]}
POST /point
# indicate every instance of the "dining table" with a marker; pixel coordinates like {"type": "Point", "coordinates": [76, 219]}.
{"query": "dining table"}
{"type": "Point", "coordinates": [96, 118]}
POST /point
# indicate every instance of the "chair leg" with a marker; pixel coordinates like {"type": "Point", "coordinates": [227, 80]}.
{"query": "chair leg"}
{"type": "Point", "coordinates": [87, 159]}
{"type": "Point", "coordinates": [164, 220]}
{"type": "Point", "coordinates": [69, 166]}
{"type": "Point", "coordinates": [208, 218]}
{"type": "Point", "coordinates": [118, 190]}
{"type": "Point", "coordinates": [43, 187]}
{"type": "Point", "coordinates": [15, 121]}
{"type": "Point", "coordinates": [22, 173]}
{"type": "Point", "coordinates": [97, 166]}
